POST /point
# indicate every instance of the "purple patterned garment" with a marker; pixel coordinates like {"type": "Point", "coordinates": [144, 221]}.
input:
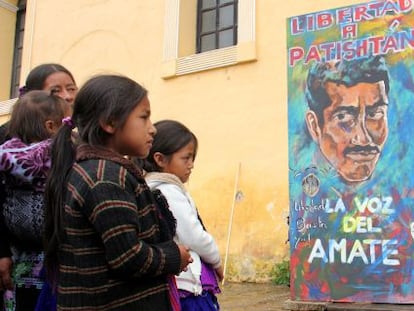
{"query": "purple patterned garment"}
{"type": "Point", "coordinates": [25, 169]}
{"type": "Point", "coordinates": [25, 164]}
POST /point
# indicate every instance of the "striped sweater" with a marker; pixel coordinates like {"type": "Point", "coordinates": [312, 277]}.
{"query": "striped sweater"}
{"type": "Point", "coordinates": [114, 256]}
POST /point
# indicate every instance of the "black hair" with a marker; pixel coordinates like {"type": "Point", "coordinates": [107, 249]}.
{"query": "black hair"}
{"type": "Point", "coordinates": [349, 73]}
{"type": "Point", "coordinates": [101, 100]}
{"type": "Point", "coordinates": [35, 81]}
{"type": "Point", "coordinates": [171, 136]}
{"type": "Point", "coordinates": [38, 75]}
{"type": "Point", "coordinates": [29, 114]}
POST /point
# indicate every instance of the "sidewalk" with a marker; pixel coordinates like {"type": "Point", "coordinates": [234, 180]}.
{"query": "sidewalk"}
{"type": "Point", "coordinates": [252, 297]}
{"type": "Point", "coordinates": [270, 297]}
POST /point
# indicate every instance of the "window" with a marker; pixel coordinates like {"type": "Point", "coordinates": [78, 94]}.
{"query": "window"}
{"type": "Point", "coordinates": [234, 39]}
{"type": "Point", "coordinates": [18, 49]}
{"type": "Point", "coordinates": [216, 24]}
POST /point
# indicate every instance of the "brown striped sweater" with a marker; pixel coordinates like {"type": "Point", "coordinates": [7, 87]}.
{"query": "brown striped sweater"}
{"type": "Point", "coordinates": [114, 256]}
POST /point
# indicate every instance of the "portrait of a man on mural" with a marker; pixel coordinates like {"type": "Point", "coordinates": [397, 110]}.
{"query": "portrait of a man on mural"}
{"type": "Point", "coordinates": [347, 115]}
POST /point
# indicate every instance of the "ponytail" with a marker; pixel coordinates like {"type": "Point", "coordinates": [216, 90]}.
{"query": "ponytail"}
{"type": "Point", "coordinates": [62, 158]}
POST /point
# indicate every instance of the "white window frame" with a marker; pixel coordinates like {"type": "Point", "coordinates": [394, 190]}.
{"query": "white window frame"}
{"type": "Point", "coordinates": [6, 106]}
{"type": "Point", "coordinates": [8, 6]}
{"type": "Point", "coordinates": [245, 50]}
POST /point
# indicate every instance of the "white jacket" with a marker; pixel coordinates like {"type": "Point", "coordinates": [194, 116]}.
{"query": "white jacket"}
{"type": "Point", "coordinates": [189, 232]}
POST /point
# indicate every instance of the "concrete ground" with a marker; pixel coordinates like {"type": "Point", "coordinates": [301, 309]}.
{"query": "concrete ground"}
{"type": "Point", "coordinates": [270, 297]}
{"type": "Point", "coordinates": [252, 297]}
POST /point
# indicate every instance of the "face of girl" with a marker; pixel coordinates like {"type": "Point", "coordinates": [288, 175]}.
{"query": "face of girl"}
{"type": "Point", "coordinates": [61, 84]}
{"type": "Point", "coordinates": [136, 136]}
{"type": "Point", "coordinates": [181, 162]}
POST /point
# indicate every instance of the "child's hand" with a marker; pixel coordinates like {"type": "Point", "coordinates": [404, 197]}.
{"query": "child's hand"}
{"type": "Point", "coordinates": [6, 282]}
{"type": "Point", "coordinates": [186, 258]}
{"type": "Point", "coordinates": [219, 273]}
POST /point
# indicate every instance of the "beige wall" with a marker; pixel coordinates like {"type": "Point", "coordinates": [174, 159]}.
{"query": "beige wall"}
{"type": "Point", "coordinates": [239, 113]}
{"type": "Point", "coordinates": [7, 30]}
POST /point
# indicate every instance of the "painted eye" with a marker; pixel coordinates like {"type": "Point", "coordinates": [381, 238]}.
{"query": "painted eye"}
{"type": "Point", "coordinates": [377, 114]}
{"type": "Point", "coordinates": [343, 116]}
{"type": "Point", "coordinates": [340, 116]}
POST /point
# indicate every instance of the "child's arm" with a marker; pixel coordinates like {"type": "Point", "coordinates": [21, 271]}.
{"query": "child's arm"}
{"type": "Point", "coordinates": [129, 234]}
{"type": "Point", "coordinates": [6, 282]}
{"type": "Point", "coordinates": [220, 273]}
{"type": "Point", "coordinates": [190, 231]}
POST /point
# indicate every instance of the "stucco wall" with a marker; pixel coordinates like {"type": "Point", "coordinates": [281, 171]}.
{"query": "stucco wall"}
{"type": "Point", "coordinates": [7, 30]}
{"type": "Point", "coordinates": [239, 113]}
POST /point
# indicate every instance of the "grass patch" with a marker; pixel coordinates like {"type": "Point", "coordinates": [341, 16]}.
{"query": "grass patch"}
{"type": "Point", "coordinates": [280, 273]}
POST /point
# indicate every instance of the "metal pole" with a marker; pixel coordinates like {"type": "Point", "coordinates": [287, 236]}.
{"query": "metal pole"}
{"type": "Point", "coordinates": [236, 185]}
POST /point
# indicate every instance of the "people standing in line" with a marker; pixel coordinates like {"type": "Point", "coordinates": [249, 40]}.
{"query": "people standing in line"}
{"type": "Point", "coordinates": [55, 79]}
{"type": "Point", "coordinates": [106, 248]}
{"type": "Point", "coordinates": [168, 167]}
{"type": "Point", "coordinates": [50, 77]}
{"type": "Point", "coordinates": [24, 165]}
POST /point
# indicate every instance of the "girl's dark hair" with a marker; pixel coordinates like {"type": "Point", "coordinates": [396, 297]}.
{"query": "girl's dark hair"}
{"type": "Point", "coordinates": [38, 75]}
{"type": "Point", "coordinates": [102, 99]}
{"type": "Point", "coordinates": [30, 113]}
{"type": "Point", "coordinates": [171, 136]}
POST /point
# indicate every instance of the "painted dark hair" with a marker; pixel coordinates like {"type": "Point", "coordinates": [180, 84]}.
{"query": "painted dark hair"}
{"type": "Point", "coordinates": [349, 73]}
{"type": "Point", "coordinates": [38, 75]}
{"type": "Point", "coordinates": [106, 99]}
{"type": "Point", "coordinates": [171, 136]}
{"type": "Point", "coordinates": [30, 113]}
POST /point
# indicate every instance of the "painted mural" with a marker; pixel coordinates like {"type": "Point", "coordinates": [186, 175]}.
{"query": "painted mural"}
{"type": "Point", "coordinates": [351, 153]}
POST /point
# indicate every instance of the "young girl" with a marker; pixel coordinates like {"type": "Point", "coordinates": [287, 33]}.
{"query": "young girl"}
{"type": "Point", "coordinates": [105, 245]}
{"type": "Point", "coordinates": [24, 163]}
{"type": "Point", "coordinates": [169, 166]}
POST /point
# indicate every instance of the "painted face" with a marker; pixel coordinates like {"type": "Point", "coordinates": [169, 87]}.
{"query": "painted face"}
{"type": "Point", "coordinates": [61, 84]}
{"type": "Point", "coordinates": [181, 162]}
{"type": "Point", "coordinates": [136, 136]}
{"type": "Point", "coordinates": [355, 128]}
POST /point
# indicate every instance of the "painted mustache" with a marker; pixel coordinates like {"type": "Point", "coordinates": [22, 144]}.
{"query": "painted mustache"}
{"type": "Point", "coordinates": [362, 149]}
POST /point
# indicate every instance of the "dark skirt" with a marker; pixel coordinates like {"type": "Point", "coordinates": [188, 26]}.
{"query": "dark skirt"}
{"type": "Point", "coordinates": [204, 302]}
{"type": "Point", "coordinates": [46, 300]}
